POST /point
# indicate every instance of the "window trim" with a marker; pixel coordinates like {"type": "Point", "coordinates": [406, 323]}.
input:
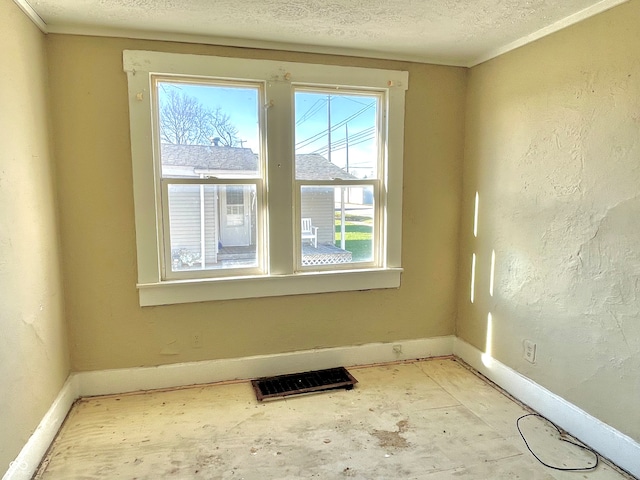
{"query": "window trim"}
{"type": "Point", "coordinates": [281, 277]}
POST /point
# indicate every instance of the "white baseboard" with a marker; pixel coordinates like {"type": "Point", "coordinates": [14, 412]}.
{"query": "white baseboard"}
{"type": "Point", "coordinates": [123, 380]}
{"type": "Point", "coordinates": [609, 442]}
{"type": "Point", "coordinates": [104, 382]}
{"type": "Point", "coordinates": [27, 461]}
{"type": "Point", "coordinates": [612, 444]}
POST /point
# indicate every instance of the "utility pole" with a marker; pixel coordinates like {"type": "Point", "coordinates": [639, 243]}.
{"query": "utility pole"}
{"type": "Point", "coordinates": [329, 127]}
{"type": "Point", "coordinates": [346, 137]}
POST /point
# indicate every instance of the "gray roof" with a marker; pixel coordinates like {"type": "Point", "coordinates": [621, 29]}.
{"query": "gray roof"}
{"type": "Point", "coordinates": [312, 166]}
{"type": "Point", "coordinates": [209, 157]}
{"type": "Point", "coordinates": [309, 166]}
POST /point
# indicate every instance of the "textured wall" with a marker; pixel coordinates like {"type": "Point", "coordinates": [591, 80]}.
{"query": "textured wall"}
{"type": "Point", "coordinates": [109, 329]}
{"type": "Point", "coordinates": [553, 148]}
{"type": "Point", "coordinates": [33, 352]}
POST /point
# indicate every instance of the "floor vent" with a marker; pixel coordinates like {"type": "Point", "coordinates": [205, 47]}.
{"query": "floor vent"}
{"type": "Point", "coordinates": [299, 383]}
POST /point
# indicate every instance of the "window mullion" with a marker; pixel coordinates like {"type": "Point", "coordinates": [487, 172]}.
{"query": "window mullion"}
{"type": "Point", "coordinates": [280, 176]}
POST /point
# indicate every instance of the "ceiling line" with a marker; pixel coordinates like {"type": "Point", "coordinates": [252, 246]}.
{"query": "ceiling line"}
{"type": "Point", "coordinates": [246, 43]}
{"type": "Point", "coordinates": [588, 12]}
{"type": "Point", "coordinates": [32, 14]}
{"type": "Point", "coordinates": [561, 24]}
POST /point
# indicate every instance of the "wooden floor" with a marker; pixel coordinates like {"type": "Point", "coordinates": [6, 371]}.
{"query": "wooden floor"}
{"type": "Point", "coordinates": [432, 419]}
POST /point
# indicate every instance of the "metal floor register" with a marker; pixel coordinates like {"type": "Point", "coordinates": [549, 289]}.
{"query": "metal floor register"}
{"type": "Point", "coordinates": [299, 383]}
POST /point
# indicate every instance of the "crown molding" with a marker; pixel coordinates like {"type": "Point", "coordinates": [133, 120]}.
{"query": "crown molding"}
{"type": "Point", "coordinates": [447, 60]}
{"type": "Point", "coordinates": [32, 14]}
{"type": "Point", "coordinates": [69, 29]}
{"type": "Point", "coordinates": [588, 12]}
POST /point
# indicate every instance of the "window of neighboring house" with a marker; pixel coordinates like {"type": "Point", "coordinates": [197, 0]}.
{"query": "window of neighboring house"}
{"type": "Point", "coordinates": [259, 178]}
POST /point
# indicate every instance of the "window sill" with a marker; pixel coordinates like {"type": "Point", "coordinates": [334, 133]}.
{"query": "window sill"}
{"type": "Point", "coordinates": [189, 291]}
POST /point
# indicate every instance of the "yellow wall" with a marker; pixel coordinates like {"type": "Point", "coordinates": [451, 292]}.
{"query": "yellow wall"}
{"type": "Point", "coordinates": [550, 138]}
{"type": "Point", "coordinates": [553, 148]}
{"type": "Point", "coordinates": [33, 353]}
{"type": "Point", "coordinates": [107, 327]}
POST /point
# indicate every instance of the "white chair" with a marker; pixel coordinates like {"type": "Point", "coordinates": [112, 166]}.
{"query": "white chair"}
{"type": "Point", "coordinates": [309, 232]}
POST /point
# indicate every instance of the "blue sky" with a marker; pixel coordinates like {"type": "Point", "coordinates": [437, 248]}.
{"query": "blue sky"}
{"type": "Point", "coordinates": [241, 104]}
{"type": "Point", "coordinates": [351, 114]}
{"type": "Point", "coordinates": [353, 117]}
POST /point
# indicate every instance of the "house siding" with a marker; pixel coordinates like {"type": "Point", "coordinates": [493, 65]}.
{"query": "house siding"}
{"type": "Point", "coordinates": [318, 204]}
{"type": "Point", "coordinates": [185, 222]}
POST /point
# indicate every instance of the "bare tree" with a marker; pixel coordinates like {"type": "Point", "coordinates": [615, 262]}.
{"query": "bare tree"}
{"type": "Point", "coordinates": [185, 121]}
{"type": "Point", "coordinates": [222, 128]}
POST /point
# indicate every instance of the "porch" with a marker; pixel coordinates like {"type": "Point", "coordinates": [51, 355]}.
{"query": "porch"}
{"type": "Point", "coordinates": [320, 255]}
{"type": "Point", "coordinates": [326, 254]}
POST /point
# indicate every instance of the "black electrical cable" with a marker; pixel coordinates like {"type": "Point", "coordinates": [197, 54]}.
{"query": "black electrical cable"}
{"type": "Point", "coordinates": [583, 469]}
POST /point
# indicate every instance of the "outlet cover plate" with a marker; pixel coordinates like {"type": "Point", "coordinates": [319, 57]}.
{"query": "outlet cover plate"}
{"type": "Point", "coordinates": [529, 351]}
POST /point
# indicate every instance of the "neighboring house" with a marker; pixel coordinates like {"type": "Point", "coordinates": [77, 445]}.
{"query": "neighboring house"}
{"type": "Point", "coordinates": [320, 205]}
{"type": "Point", "coordinates": [228, 213]}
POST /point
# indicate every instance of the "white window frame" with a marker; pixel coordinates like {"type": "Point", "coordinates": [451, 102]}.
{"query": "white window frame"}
{"type": "Point", "coordinates": [376, 183]}
{"type": "Point", "coordinates": [282, 275]}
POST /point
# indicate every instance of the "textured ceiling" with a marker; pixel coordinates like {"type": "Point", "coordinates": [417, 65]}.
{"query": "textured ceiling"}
{"type": "Point", "coordinates": [453, 32]}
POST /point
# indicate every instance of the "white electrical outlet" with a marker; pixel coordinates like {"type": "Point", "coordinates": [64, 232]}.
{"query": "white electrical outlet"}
{"type": "Point", "coordinates": [529, 351]}
{"type": "Point", "coordinates": [196, 340]}
{"type": "Point", "coordinates": [397, 349]}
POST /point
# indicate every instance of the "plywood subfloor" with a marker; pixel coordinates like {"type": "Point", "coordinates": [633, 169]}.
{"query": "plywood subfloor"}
{"type": "Point", "coordinates": [430, 419]}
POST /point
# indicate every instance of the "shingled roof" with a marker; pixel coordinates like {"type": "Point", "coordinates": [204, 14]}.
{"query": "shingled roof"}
{"type": "Point", "coordinates": [309, 166]}
{"type": "Point", "coordinates": [209, 157]}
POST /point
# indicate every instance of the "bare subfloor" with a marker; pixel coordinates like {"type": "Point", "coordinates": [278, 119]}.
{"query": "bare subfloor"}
{"type": "Point", "coordinates": [431, 419]}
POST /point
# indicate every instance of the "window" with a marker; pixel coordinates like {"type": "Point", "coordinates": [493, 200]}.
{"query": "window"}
{"type": "Point", "coordinates": [337, 140]}
{"type": "Point", "coordinates": [260, 178]}
{"type": "Point", "coordinates": [201, 127]}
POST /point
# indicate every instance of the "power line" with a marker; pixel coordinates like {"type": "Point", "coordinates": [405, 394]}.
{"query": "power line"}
{"type": "Point", "coordinates": [318, 105]}
{"type": "Point", "coordinates": [352, 99]}
{"type": "Point", "coordinates": [351, 144]}
{"type": "Point", "coordinates": [354, 139]}
{"type": "Point", "coordinates": [313, 138]}
{"type": "Point", "coordinates": [342, 145]}
{"type": "Point", "coordinates": [310, 140]}
{"type": "Point", "coordinates": [372, 137]}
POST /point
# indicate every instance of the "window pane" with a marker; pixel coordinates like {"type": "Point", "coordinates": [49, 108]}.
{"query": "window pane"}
{"type": "Point", "coordinates": [337, 225]}
{"type": "Point", "coordinates": [208, 130]}
{"type": "Point", "coordinates": [336, 135]}
{"type": "Point", "coordinates": [216, 223]}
